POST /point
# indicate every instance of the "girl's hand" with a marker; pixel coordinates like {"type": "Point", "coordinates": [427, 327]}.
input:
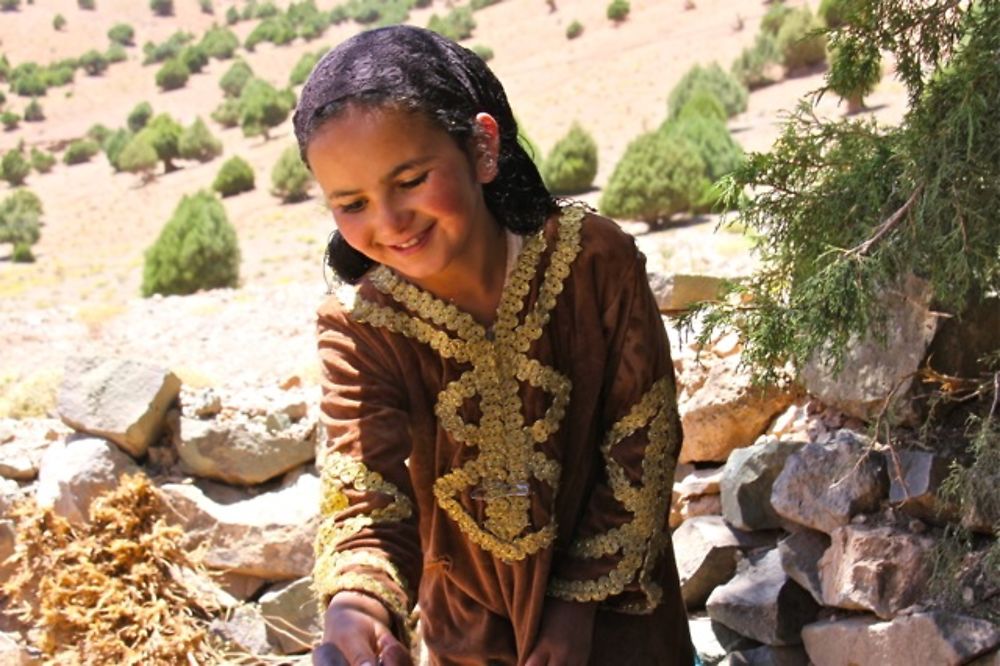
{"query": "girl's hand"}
{"type": "Point", "coordinates": [564, 639]}
{"type": "Point", "coordinates": [356, 633]}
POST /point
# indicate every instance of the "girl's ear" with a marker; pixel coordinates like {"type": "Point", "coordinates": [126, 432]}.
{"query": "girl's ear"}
{"type": "Point", "coordinates": [486, 147]}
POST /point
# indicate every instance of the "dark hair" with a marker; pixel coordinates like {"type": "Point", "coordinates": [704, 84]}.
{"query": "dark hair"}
{"type": "Point", "coordinates": [421, 71]}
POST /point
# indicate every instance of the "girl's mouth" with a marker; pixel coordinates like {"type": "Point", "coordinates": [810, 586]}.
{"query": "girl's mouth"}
{"type": "Point", "coordinates": [415, 243]}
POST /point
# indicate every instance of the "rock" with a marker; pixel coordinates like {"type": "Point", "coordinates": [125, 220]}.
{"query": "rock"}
{"type": "Point", "coordinates": [874, 370]}
{"type": "Point", "coordinates": [823, 485]}
{"type": "Point", "coordinates": [268, 536]}
{"type": "Point", "coordinates": [13, 653]}
{"type": "Point", "coordinates": [205, 591]}
{"type": "Point", "coordinates": [22, 443]}
{"type": "Point", "coordinates": [746, 484]}
{"type": "Point", "coordinates": [239, 585]}
{"type": "Point", "coordinates": [768, 655]}
{"type": "Point", "coordinates": [800, 554]}
{"type": "Point", "coordinates": [914, 484]}
{"type": "Point", "coordinates": [675, 293]}
{"type": "Point", "coordinates": [938, 638]}
{"type": "Point", "coordinates": [713, 641]}
{"type": "Point", "coordinates": [706, 549]}
{"type": "Point", "coordinates": [74, 472]}
{"type": "Point", "coordinates": [763, 603]}
{"type": "Point", "coordinates": [8, 541]}
{"type": "Point", "coordinates": [293, 615]}
{"type": "Point", "coordinates": [706, 505]}
{"type": "Point", "coordinates": [201, 403]}
{"type": "Point", "coordinates": [726, 412]}
{"type": "Point", "coordinates": [245, 627]}
{"type": "Point", "coordinates": [698, 482]}
{"type": "Point", "coordinates": [880, 569]}
{"type": "Point", "coordinates": [10, 493]}
{"type": "Point", "coordinates": [121, 400]}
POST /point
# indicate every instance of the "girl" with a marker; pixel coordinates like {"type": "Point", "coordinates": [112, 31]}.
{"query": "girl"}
{"type": "Point", "coordinates": [498, 392]}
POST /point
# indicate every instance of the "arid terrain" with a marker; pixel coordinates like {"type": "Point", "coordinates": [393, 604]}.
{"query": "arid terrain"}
{"type": "Point", "coordinates": [81, 295]}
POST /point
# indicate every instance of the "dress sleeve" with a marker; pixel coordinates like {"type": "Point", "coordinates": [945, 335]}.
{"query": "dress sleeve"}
{"type": "Point", "coordinates": [368, 539]}
{"type": "Point", "coordinates": [615, 555]}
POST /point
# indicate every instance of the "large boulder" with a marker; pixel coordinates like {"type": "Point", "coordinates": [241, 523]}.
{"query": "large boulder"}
{"type": "Point", "coordinates": [22, 443]}
{"type": "Point", "coordinates": [800, 554]}
{"type": "Point", "coordinates": [120, 400]}
{"type": "Point", "coordinates": [746, 484]}
{"type": "Point", "coordinates": [768, 655]}
{"type": "Point", "coordinates": [880, 569]}
{"type": "Point", "coordinates": [245, 627]}
{"type": "Point", "coordinates": [676, 293]}
{"type": "Point", "coordinates": [713, 641]}
{"type": "Point", "coordinates": [914, 481]}
{"type": "Point", "coordinates": [938, 638]}
{"type": "Point", "coordinates": [823, 485]}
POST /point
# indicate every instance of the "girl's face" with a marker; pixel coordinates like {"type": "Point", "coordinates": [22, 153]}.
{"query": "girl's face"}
{"type": "Point", "coordinates": [404, 194]}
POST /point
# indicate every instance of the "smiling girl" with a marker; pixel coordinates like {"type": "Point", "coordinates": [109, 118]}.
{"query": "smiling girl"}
{"type": "Point", "coordinates": [498, 392]}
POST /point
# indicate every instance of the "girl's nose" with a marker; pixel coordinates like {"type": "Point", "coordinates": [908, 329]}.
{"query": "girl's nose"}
{"type": "Point", "coordinates": [395, 220]}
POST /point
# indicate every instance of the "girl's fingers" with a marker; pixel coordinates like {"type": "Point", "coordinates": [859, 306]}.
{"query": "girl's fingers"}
{"type": "Point", "coordinates": [327, 654]}
{"type": "Point", "coordinates": [391, 651]}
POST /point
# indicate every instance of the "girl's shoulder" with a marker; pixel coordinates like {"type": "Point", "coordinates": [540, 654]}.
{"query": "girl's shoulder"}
{"type": "Point", "coordinates": [604, 246]}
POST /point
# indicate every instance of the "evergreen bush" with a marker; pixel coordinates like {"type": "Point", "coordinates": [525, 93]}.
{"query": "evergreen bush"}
{"type": "Point", "coordinates": [80, 151]}
{"type": "Point", "coordinates": [702, 103]}
{"type": "Point", "coordinates": [139, 156]}
{"type": "Point", "coordinates": [165, 133]}
{"type": "Point", "coordinates": [232, 16]}
{"type": "Point", "coordinates": [122, 33]}
{"type": "Point", "coordinates": [574, 30]}
{"type": "Point", "coordinates": [854, 73]}
{"type": "Point", "coordinates": [171, 48]}
{"type": "Point", "coordinates": [476, 5]}
{"type": "Point", "coordinates": [206, 7]}
{"type": "Point", "coordinates": [277, 29]}
{"type": "Point", "coordinates": [22, 254]}
{"type": "Point", "coordinates": [834, 13]}
{"type": "Point", "coordinates": [162, 7]}
{"type": "Point", "coordinates": [197, 249]}
{"type": "Point", "coordinates": [483, 51]}
{"type": "Point", "coordinates": [220, 43]}
{"type": "Point", "coordinates": [88, 5]}
{"type": "Point", "coordinates": [618, 10]}
{"type": "Point", "coordinates": [34, 113]}
{"type": "Point", "coordinates": [20, 221]}
{"type": "Point", "coordinates": [235, 176]}
{"type": "Point", "coordinates": [235, 78]}
{"type": "Point", "coordinates": [98, 133]}
{"type": "Point", "coordinates": [59, 74]}
{"type": "Point", "coordinates": [139, 116]}
{"type": "Point", "coordinates": [197, 143]}
{"type": "Point", "coordinates": [194, 58]}
{"type": "Point", "coordinates": [14, 168]}
{"type": "Point", "coordinates": [10, 5]}
{"type": "Point", "coordinates": [94, 63]}
{"type": "Point", "coordinates": [29, 85]}
{"type": "Point", "coordinates": [262, 107]}
{"type": "Point", "coordinates": [227, 113]}
{"type": "Point", "coordinates": [714, 145]}
{"type": "Point", "coordinates": [41, 161]}
{"type": "Point", "coordinates": [759, 65]}
{"type": "Point", "coordinates": [290, 178]}
{"type": "Point", "coordinates": [59, 22]}
{"type": "Point", "coordinates": [715, 80]}
{"type": "Point", "coordinates": [116, 53]}
{"type": "Point", "coordinates": [658, 175]}
{"type": "Point", "coordinates": [456, 25]}
{"type": "Point", "coordinates": [774, 18]}
{"type": "Point", "coordinates": [571, 165]}
{"type": "Point", "coordinates": [114, 145]}
{"type": "Point", "coordinates": [800, 45]}
{"type": "Point", "coordinates": [173, 74]}
{"type": "Point", "coordinates": [10, 120]}
{"type": "Point", "coordinates": [304, 66]}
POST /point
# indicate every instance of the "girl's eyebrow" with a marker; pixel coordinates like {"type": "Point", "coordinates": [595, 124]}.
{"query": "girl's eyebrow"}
{"type": "Point", "coordinates": [398, 169]}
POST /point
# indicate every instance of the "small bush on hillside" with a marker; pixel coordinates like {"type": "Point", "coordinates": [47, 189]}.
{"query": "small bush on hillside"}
{"type": "Point", "coordinates": [206, 7]}
{"type": "Point", "coordinates": [165, 134]}
{"type": "Point", "coordinates": [572, 163]}
{"type": "Point", "coordinates": [3, 99]}
{"type": "Point", "coordinates": [277, 29]}
{"type": "Point", "coordinates": [235, 78]}
{"type": "Point", "coordinates": [800, 47]}
{"type": "Point", "coordinates": [303, 68]}
{"type": "Point", "coordinates": [618, 10]}
{"type": "Point", "coordinates": [59, 74]}
{"type": "Point", "coordinates": [197, 143]}
{"type": "Point", "coordinates": [232, 16]}
{"type": "Point", "coordinates": [114, 145]}
{"type": "Point", "coordinates": [483, 51]}
{"type": "Point", "coordinates": [265, 10]}
{"type": "Point", "coordinates": [88, 5]}
{"type": "Point", "coordinates": [774, 18]}
{"type": "Point", "coordinates": [41, 161]}
{"type": "Point", "coordinates": [290, 178]}
{"type": "Point", "coordinates": [93, 62]}
{"type": "Point", "coordinates": [853, 74]}
{"type": "Point", "coordinates": [456, 25]}
{"type": "Point", "coordinates": [262, 107]}
{"type": "Point", "coordinates": [712, 78]}
{"type": "Point", "coordinates": [139, 116]}
{"type": "Point", "coordinates": [139, 156]}
{"type": "Point", "coordinates": [14, 168]}
{"type": "Point", "coordinates": [658, 175]}
{"type": "Point", "coordinates": [338, 15]}
{"type": "Point", "coordinates": [235, 176]}
{"type": "Point", "coordinates": [10, 5]}
{"type": "Point", "coordinates": [759, 65]}
{"type": "Point", "coordinates": [703, 104]}
{"type": "Point", "coordinates": [220, 43]}
{"type": "Point", "coordinates": [59, 22]}
{"type": "Point", "coordinates": [98, 133]}
{"type": "Point", "coordinates": [29, 85]}
{"type": "Point", "coordinates": [171, 48]}
{"type": "Point", "coordinates": [80, 151]}
{"type": "Point", "coordinates": [34, 113]}
{"type": "Point", "coordinates": [313, 28]}
{"type": "Point", "coordinates": [20, 222]}
{"type": "Point", "coordinates": [122, 33]}
{"type": "Point", "coordinates": [22, 254]}
{"type": "Point", "coordinates": [172, 75]}
{"type": "Point", "coordinates": [197, 249]}
{"type": "Point", "coordinates": [711, 140]}
{"type": "Point", "coordinates": [834, 13]}
{"type": "Point", "coordinates": [227, 114]}
{"type": "Point", "coordinates": [10, 120]}
{"type": "Point", "coordinates": [480, 4]}
{"type": "Point", "coordinates": [162, 7]}
{"type": "Point", "coordinates": [574, 30]}
{"type": "Point", "coordinates": [194, 58]}
{"type": "Point", "coordinates": [116, 53]}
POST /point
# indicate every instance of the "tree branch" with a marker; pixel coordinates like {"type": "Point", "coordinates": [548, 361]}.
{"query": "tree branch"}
{"type": "Point", "coordinates": [887, 226]}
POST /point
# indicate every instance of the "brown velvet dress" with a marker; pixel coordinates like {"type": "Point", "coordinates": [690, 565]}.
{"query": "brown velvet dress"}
{"type": "Point", "coordinates": [476, 471]}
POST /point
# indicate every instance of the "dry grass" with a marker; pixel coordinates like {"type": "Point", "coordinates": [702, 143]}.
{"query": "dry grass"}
{"type": "Point", "coordinates": [31, 396]}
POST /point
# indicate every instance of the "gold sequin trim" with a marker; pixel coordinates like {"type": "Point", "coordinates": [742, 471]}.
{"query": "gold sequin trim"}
{"type": "Point", "coordinates": [641, 540]}
{"type": "Point", "coordinates": [507, 457]}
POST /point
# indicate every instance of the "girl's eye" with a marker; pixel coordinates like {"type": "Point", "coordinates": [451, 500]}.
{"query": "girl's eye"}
{"type": "Point", "coordinates": [353, 207]}
{"type": "Point", "coordinates": [410, 184]}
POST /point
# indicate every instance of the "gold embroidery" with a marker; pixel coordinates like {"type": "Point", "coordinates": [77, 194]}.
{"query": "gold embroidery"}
{"type": "Point", "coordinates": [641, 540]}
{"type": "Point", "coordinates": [507, 457]}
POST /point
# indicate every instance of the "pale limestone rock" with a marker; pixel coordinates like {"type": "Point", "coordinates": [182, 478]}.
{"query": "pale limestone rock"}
{"type": "Point", "coordinates": [713, 641]}
{"type": "Point", "coordinates": [726, 412]}
{"type": "Point", "coordinates": [880, 569]}
{"type": "Point", "coordinates": [705, 505]}
{"type": "Point", "coordinates": [763, 603]}
{"type": "Point", "coordinates": [823, 485]}
{"type": "Point", "coordinates": [292, 611]}
{"type": "Point", "coordinates": [800, 555]}
{"type": "Point", "coordinates": [938, 638]}
{"type": "Point", "coordinates": [74, 472]}
{"type": "Point", "coordinates": [675, 293]}
{"type": "Point", "coordinates": [238, 585]}
{"type": "Point", "coordinates": [746, 484]}
{"type": "Point", "coordinates": [10, 493]}
{"type": "Point", "coordinates": [13, 653]}
{"type": "Point", "coordinates": [22, 443]}
{"type": "Point", "coordinates": [121, 400]}
{"type": "Point", "coordinates": [698, 482]}
{"type": "Point", "coordinates": [8, 541]}
{"type": "Point", "coordinates": [268, 536]}
{"type": "Point", "coordinates": [244, 626]}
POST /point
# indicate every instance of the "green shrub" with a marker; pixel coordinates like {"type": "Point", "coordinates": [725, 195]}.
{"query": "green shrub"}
{"type": "Point", "coordinates": [290, 178]}
{"type": "Point", "coordinates": [801, 47]}
{"type": "Point", "coordinates": [571, 165]}
{"type": "Point", "coordinates": [712, 78]}
{"type": "Point", "coordinates": [20, 220]}
{"type": "Point", "coordinates": [456, 25]}
{"type": "Point", "coordinates": [29, 85]}
{"type": "Point", "coordinates": [165, 134]}
{"type": "Point", "coordinates": [3, 99]}
{"type": "Point", "coordinates": [759, 65]}
{"type": "Point", "coordinates": [703, 104]}
{"type": "Point", "coordinates": [227, 114]}
{"type": "Point", "coordinates": [313, 28]}
{"type": "Point", "coordinates": [122, 33]}
{"type": "Point", "coordinates": [116, 53]}
{"type": "Point", "coordinates": [834, 13]}
{"type": "Point", "coordinates": [41, 161]}
{"type": "Point", "coordinates": [80, 151]}
{"type": "Point", "coordinates": [714, 145]}
{"type": "Point", "coordinates": [265, 10]}
{"type": "Point", "coordinates": [58, 75]}
{"type": "Point", "coordinates": [139, 156]}
{"type": "Point", "coordinates": [338, 15]}
{"type": "Point", "coordinates": [276, 29]}
{"type": "Point", "coordinates": [618, 10]}
{"type": "Point", "coordinates": [22, 254]}
{"type": "Point", "coordinates": [59, 22]}
{"type": "Point", "coordinates": [854, 73]}
{"type": "Point", "coordinates": [10, 5]}
{"type": "Point", "coordinates": [658, 175]}
{"type": "Point", "coordinates": [206, 7]}
{"type": "Point", "coordinates": [172, 75]}
{"type": "Point", "coordinates": [303, 68]}
{"type": "Point", "coordinates": [98, 133]}
{"type": "Point", "coordinates": [139, 116]}
{"type": "Point", "coordinates": [114, 145]}
{"type": "Point", "coordinates": [197, 249]}
{"type": "Point", "coordinates": [480, 4]}
{"type": "Point", "coordinates": [262, 107]}
{"type": "Point", "coordinates": [774, 18]}
{"type": "Point", "coordinates": [162, 7]}
{"type": "Point", "coordinates": [232, 16]}
{"type": "Point", "coordinates": [194, 58]}
{"type": "Point", "coordinates": [14, 168]}
{"type": "Point", "coordinates": [574, 30]}
{"type": "Point", "coordinates": [86, 4]}
{"type": "Point", "coordinates": [34, 113]}
{"type": "Point", "coordinates": [93, 62]}
{"type": "Point", "coordinates": [235, 176]}
{"type": "Point", "coordinates": [171, 48]}
{"type": "Point", "coordinates": [10, 120]}
{"type": "Point", "coordinates": [220, 43]}
{"type": "Point", "coordinates": [4, 67]}
{"type": "Point", "coordinates": [197, 143]}
{"type": "Point", "coordinates": [235, 78]}
{"type": "Point", "coordinates": [483, 51]}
